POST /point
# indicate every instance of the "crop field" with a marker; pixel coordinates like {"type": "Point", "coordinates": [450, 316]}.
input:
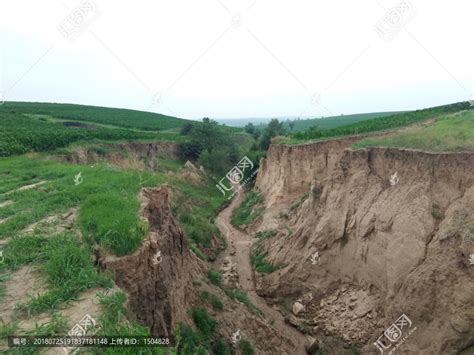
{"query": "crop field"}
{"type": "Point", "coordinates": [377, 124]}
{"type": "Point", "coordinates": [454, 132]}
{"type": "Point", "coordinates": [104, 115]}
{"type": "Point", "coordinates": [334, 121]}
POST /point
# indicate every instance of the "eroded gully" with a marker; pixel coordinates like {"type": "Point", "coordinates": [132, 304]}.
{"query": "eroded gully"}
{"type": "Point", "coordinates": [241, 259]}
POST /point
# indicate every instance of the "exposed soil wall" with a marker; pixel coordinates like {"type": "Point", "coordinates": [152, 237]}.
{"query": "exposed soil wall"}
{"type": "Point", "coordinates": [160, 289]}
{"type": "Point", "coordinates": [393, 229]}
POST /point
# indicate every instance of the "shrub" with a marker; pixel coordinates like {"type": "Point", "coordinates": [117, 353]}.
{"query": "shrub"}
{"type": "Point", "coordinates": [215, 277]}
{"type": "Point", "coordinates": [217, 303]}
{"type": "Point", "coordinates": [246, 347]}
{"type": "Point", "coordinates": [221, 347]}
{"type": "Point", "coordinates": [205, 323]}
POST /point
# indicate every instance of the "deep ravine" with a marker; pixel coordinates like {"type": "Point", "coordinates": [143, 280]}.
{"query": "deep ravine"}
{"type": "Point", "coordinates": [242, 243]}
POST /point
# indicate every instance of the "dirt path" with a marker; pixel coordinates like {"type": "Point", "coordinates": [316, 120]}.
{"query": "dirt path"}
{"type": "Point", "coordinates": [242, 243]}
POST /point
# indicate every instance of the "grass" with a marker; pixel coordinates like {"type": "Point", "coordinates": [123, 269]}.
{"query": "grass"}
{"type": "Point", "coordinates": [248, 211]}
{"type": "Point", "coordinates": [215, 277]}
{"type": "Point", "coordinates": [377, 124]}
{"type": "Point", "coordinates": [240, 295]}
{"type": "Point", "coordinates": [246, 347]}
{"type": "Point", "coordinates": [258, 256]}
{"type": "Point", "coordinates": [68, 269]}
{"type": "Point", "coordinates": [214, 300]}
{"type": "Point", "coordinates": [108, 199]}
{"type": "Point", "coordinates": [204, 322]}
{"type": "Point", "coordinates": [453, 132]}
{"type": "Point", "coordinates": [113, 322]}
{"type": "Point", "coordinates": [195, 208]}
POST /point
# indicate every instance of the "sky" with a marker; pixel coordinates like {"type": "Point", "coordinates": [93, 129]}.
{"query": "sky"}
{"type": "Point", "coordinates": [237, 59]}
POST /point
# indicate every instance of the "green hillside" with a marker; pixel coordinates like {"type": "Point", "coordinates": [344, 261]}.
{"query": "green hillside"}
{"type": "Point", "coordinates": [333, 121]}
{"type": "Point", "coordinates": [21, 133]}
{"type": "Point", "coordinates": [452, 132]}
{"type": "Point", "coordinates": [378, 124]}
{"type": "Point", "coordinates": [148, 121]}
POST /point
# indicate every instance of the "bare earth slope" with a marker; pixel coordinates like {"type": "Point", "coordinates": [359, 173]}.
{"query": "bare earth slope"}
{"type": "Point", "coordinates": [394, 230]}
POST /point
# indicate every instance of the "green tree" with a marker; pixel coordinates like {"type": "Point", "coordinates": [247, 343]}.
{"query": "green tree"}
{"type": "Point", "coordinates": [250, 128]}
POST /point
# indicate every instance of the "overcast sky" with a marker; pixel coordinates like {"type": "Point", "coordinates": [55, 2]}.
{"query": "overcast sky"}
{"type": "Point", "coordinates": [235, 59]}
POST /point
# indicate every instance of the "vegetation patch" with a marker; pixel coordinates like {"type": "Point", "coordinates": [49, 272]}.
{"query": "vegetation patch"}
{"type": "Point", "coordinates": [215, 277]}
{"type": "Point", "coordinates": [258, 255]}
{"type": "Point", "coordinates": [453, 132]}
{"type": "Point", "coordinates": [248, 210]}
{"type": "Point", "coordinates": [69, 270]}
{"type": "Point", "coordinates": [377, 124]}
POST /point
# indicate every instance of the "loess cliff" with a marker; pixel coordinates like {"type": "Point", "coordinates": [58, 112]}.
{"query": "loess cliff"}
{"type": "Point", "coordinates": [368, 235]}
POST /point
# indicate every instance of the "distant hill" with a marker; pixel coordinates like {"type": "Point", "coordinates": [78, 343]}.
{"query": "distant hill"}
{"type": "Point", "coordinates": [142, 120]}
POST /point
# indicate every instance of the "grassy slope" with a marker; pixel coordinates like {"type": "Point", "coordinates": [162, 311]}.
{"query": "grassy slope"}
{"type": "Point", "coordinates": [335, 121]}
{"type": "Point", "coordinates": [448, 133]}
{"type": "Point", "coordinates": [378, 124]}
{"type": "Point", "coordinates": [106, 115]}
{"type": "Point", "coordinates": [20, 134]}
{"type": "Point", "coordinates": [108, 206]}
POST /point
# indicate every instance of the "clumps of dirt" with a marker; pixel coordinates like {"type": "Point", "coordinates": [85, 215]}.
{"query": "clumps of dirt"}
{"type": "Point", "coordinates": [6, 203]}
{"type": "Point", "coordinates": [230, 275]}
{"type": "Point", "coordinates": [26, 187]}
{"type": "Point", "coordinates": [53, 224]}
{"type": "Point", "coordinates": [20, 285]}
{"type": "Point", "coordinates": [350, 312]}
{"type": "Point", "coordinates": [192, 174]}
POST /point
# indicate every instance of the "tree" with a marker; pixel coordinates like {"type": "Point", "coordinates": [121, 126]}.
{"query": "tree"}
{"type": "Point", "coordinates": [250, 128]}
{"type": "Point", "coordinates": [291, 125]}
{"type": "Point", "coordinates": [186, 129]}
{"type": "Point", "coordinates": [274, 128]}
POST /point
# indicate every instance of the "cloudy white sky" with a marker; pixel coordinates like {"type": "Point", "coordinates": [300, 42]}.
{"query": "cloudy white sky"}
{"type": "Point", "coordinates": [234, 59]}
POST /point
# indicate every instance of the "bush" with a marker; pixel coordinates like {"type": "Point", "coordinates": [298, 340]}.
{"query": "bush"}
{"type": "Point", "coordinates": [246, 347]}
{"type": "Point", "coordinates": [205, 323]}
{"type": "Point", "coordinates": [217, 303]}
{"type": "Point", "coordinates": [246, 212]}
{"type": "Point", "coordinates": [221, 347]}
{"type": "Point", "coordinates": [215, 277]}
